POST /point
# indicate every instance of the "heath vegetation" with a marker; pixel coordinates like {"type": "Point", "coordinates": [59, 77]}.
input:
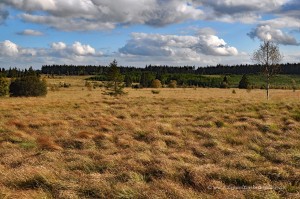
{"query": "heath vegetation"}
{"type": "Point", "coordinates": [183, 143]}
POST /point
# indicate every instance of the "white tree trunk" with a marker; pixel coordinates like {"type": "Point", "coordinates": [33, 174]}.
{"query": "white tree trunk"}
{"type": "Point", "coordinates": [268, 87]}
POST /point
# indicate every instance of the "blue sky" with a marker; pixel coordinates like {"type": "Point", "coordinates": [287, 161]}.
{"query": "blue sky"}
{"type": "Point", "coordinates": [140, 32]}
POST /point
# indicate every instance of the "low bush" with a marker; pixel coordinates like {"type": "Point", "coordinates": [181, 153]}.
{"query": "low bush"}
{"type": "Point", "coordinates": [155, 91]}
{"type": "Point", "coordinates": [156, 84]}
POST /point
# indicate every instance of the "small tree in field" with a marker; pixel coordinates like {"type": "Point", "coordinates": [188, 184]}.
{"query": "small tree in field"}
{"type": "Point", "coordinates": [244, 83]}
{"type": "Point", "coordinates": [4, 87]}
{"type": "Point", "coordinates": [224, 83]}
{"type": "Point", "coordinates": [115, 84]}
{"type": "Point", "coordinates": [269, 57]}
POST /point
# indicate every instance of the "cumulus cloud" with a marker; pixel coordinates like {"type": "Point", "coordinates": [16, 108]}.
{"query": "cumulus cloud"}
{"type": "Point", "coordinates": [236, 10]}
{"type": "Point", "coordinates": [238, 6]}
{"type": "Point", "coordinates": [85, 15]}
{"type": "Point", "coordinates": [266, 32]}
{"type": "Point", "coordinates": [82, 50]}
{"type": "Point", "coordinates": [58, 46]}
{"type": "Point", "coordinates": [8, 48]}
{"type": "Point", "coordinates": [288, 16]}
{"type": "Point", "coordinates": [176, 47]}
{"type": "Point", "coordinates": [58, 49]}
{"type": "Point", "coordinates": [29, 32]}
{"type": "Point", "coordinates": [11, 54]}
{"type": "Point", "coordinates": [103, 14]}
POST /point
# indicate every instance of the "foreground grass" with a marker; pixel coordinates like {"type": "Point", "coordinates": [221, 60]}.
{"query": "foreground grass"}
{"type": "Point", "coordinates": [180, 143]}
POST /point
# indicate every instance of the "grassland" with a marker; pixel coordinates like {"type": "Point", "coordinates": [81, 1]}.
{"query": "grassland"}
{"type": "Point", "coordinates": [180, 143]}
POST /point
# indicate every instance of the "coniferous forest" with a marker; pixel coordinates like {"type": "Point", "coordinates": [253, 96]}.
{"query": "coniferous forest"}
{"type": "Point", "coordinates": [185, 76]}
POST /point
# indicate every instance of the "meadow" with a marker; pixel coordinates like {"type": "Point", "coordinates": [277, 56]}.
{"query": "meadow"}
{"type": "Point", "coordinates": [177, 143]}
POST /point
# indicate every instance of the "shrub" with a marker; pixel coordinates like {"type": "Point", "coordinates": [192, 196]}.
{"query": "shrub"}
{"type": "Point", "coordinates": [155, 91]}
{"type": "Point", "coordinates": [156, 84]}
{"type": "Point", "coordinates": [136, 86]}
{"type": "Point", "coordinates": [4, 86]}
{"type": "Point", "coordinates": [173, 84]}
{"type": "Point", "coordinates": [64, 85]}
{"type": "Point", "coordinates": [88, 85]}
{"type": "Point", "coordinates": [28, 86]}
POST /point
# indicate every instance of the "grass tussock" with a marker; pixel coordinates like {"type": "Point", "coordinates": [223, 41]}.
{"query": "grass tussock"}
{"type": "Point", "coordinates": [182, 143]}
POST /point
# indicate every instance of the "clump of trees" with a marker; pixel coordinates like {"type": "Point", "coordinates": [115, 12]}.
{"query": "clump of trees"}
{"type": "Point", "coordinates": [28, 86]}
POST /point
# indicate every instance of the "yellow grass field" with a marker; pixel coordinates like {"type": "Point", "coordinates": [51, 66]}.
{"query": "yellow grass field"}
{"type": "Point", "coordinates": [180, 143]}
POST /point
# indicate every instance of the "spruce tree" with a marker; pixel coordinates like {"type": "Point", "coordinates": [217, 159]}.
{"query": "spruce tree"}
{"type": "Point", "coordinates": [115, 84]}
{"type": "Point", "coordinates": [244, 83]}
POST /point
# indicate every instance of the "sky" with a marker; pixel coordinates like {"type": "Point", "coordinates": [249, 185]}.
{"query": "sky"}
{"type": "Point", "coordinates": [142, 32]}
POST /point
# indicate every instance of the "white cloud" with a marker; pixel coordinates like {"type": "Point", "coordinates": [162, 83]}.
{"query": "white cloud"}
{"type": "Point", "coordinates": [8, 48]}
{"type": "Point", "coordinates": [30, 32]}
{"type": "Point", "coordinates": [236, 6]}
{"type": "Point", "coordinates": [76, 50]}
{"type": "Point", "coordinates": [236, 10]}
{"type": "Point", "coordinates": [283, 22]}
{"type": "Point", "coordinates": [174, 47]}
{"type": "Point", "coordinates": [58, 46]}
{"type": "Point", "coordinates": [104, 14]}
{"type": "Point", "coordinates": [82, 50]}
{"type": "Point", "coordinates": [86, 15]}
{"type": "Point", "coordinates": [58, 50]}
{"type": "Point", "coordinates": [266, 32]}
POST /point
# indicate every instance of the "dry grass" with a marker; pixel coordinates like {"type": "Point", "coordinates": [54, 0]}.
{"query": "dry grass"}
{"type": "Point", "coordinates": [180, 143]}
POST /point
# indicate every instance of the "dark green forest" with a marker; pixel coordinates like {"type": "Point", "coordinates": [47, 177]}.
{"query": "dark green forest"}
{"type": "Point", "coordinates": [223, 76]}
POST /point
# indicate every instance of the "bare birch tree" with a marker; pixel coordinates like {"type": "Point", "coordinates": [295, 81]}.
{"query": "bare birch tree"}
{"type": "Point", "coordinates": [269, 57]}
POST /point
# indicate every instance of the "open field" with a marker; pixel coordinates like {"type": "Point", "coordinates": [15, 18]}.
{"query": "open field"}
{"type": "Point", "coordinates": [180, 143]}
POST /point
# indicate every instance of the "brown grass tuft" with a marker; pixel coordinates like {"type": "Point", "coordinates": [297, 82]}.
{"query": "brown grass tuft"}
{"type": "Point", "coordinates": [46, 143]}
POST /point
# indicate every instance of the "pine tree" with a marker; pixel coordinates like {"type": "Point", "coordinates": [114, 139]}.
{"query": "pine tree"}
{"type": "Point", "coordinates": [224, 83]}
{"type": "Point", "coordinates": [115, 84]}
{"type": "Point", "coordinates": [244, 83]}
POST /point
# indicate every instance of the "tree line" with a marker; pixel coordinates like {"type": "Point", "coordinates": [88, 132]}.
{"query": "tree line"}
{"type": "Point", "coordinates": [287, 68]}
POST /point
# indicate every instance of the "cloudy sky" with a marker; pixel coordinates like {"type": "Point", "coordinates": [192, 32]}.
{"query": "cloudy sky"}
{"type": "Point", "coordinates": [140, 32]}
